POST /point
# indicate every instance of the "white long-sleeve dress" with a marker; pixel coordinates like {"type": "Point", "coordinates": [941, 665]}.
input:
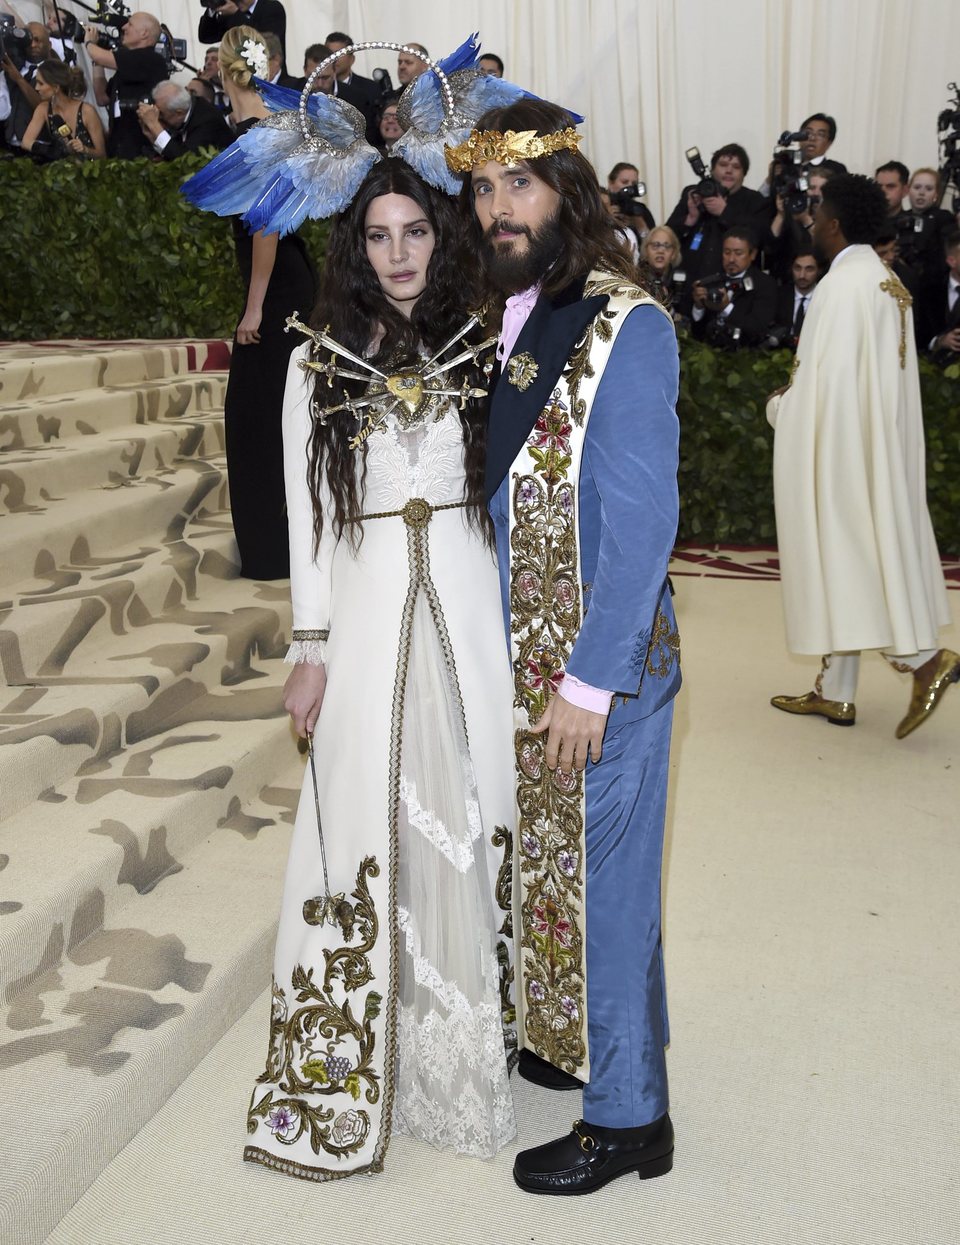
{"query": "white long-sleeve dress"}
{"type": "Point", "coordinates": [399, 1018]}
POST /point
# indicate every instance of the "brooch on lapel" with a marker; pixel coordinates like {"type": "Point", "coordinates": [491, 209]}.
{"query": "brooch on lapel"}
{"type": "Point", "coordinates": [522, 371]}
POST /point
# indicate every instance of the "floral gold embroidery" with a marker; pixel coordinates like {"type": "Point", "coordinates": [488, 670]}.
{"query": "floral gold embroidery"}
{"type": "Point", "coordinates": [664, 650]}
{"type": "Point", "coordinates": [522, 371]}
{"type": "Point", "coordinates": [904, 300]}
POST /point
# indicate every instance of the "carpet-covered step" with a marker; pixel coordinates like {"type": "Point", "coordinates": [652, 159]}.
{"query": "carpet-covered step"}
{"type": "Point", "coordinates": [89, 597]}
{"type": "Point", "coordinates": [72, 859]}
{"type": "Point", "coordinates": [40, 369]}
{"type": "Point", "coordinates": [185, 664]}
{"type": "Point", "coordinates": [125, 518]}
{"type": "Point", "coordinates": [95, 1047]}
{"type": "Point", "coordinates": [38, 422]}
{"type": "Point", "coordinates": [34, 479]}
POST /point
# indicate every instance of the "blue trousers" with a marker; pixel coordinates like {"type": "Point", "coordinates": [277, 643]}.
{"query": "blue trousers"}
{"type": "Point", "coordinates": [626, 797]}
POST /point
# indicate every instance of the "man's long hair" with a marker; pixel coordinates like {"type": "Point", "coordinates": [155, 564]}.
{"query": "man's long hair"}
{"type": "Point", "coordinates": [353, 308]}
{"type": "Point", "coordinates": [587, 229]}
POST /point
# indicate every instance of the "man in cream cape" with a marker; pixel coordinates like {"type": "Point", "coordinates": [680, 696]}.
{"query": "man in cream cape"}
{"type": "Point", "coordinates": [858, 557]}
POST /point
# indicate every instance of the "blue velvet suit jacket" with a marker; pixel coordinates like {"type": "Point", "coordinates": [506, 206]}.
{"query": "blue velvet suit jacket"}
{"type": "Point", "coordinates": [628, 499]}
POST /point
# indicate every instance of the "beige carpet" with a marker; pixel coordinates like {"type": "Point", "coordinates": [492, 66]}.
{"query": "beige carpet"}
{"type": "Point", "coordinates": [811, 937]}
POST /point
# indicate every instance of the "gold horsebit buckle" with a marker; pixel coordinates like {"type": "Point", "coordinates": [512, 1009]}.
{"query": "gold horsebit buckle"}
{"type": "Point", "coordinates": [587, 1143]}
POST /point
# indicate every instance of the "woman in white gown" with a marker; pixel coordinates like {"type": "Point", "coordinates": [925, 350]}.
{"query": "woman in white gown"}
{"type": "Point", "coordinates": [395, 1016]}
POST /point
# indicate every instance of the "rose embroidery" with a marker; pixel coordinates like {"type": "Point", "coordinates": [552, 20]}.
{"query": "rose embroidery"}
{"type": "Point", "coordinates": [349, 1129]}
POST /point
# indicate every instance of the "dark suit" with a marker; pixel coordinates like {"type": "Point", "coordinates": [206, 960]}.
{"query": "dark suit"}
{"type": "Point", "coordinates": [266, 15]}
{"type": "Point", "coordinates": [289, 81]}
{"type": "Point", "coordinates": [931, 316]}
{"type": "Point", "coordinates": [21, 110]}
{"type": "Point", "coordinates": [826, 164]}
{"type": "Point", "coordinates": [204, 127]}
{"type": "Point", "coordinates": [787, 311]}
{"type": "Point", "coordinates": [753, 311]}
{"type": "Point", "coordinates": [702, 242]}
{"type": "Point", "coordinates": [365, 95]}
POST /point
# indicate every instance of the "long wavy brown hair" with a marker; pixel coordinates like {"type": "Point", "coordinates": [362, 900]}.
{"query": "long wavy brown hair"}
{"type": "Point", "coordinates": [588, 230]}
{"type": "Point", "coordinates": [352, 307]}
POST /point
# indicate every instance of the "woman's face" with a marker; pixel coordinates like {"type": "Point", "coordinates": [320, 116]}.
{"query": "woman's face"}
{"type": "Point", "coordinates": [43, 87]}
{"type": "Point", "coordinates": [923, 191]}
{"type": "Point", "coordinates": [400, 241]}
{"type": "Point", "coordinates": [661, 253]}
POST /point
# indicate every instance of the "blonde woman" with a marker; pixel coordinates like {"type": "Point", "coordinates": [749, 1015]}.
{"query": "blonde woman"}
{"type": "Point", "coordinates": [922, 247]}
{"type": "Point", "coordinates": [659, 256]}
{"type": "Point", "coordinates": [279, 279]}
{"type": "Point", "coordinates": [62, 118]}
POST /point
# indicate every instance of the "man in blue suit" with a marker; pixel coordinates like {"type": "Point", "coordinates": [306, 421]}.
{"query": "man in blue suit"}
{"type": "Point", "coordinates": [582, 487]}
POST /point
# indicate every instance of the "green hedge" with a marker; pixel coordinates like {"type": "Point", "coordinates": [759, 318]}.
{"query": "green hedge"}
{"type": "Point", "coordinates": [110, 249]}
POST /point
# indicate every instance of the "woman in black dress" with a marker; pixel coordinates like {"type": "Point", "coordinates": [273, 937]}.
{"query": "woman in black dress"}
{"type": "Point", "coordinates": [62, 120]}
{"type": "Point", "coordinates": [279, 279]}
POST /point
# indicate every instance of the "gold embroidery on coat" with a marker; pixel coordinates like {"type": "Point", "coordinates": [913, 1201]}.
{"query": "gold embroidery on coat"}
{"type": "Point", "coordinates": [522, 371]}
{"type": "Point", "coordinates": [904, 300]}
{"type": "Point", "coordinates": [664, 647]}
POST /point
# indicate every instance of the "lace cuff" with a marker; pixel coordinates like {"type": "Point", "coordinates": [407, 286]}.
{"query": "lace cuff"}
{"type": "Point", "coordinates": [307, 646]}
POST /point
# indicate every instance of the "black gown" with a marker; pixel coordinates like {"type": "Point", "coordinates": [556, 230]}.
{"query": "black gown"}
{"type": "Point", "coordinates": [254, 403]}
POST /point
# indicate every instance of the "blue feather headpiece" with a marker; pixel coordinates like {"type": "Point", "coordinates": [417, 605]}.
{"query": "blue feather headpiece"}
{"type": "Point", "coordinates": [309, 157]}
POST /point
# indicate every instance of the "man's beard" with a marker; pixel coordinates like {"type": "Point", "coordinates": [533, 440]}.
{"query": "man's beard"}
{"type": "Point", "coordinates": [510, 272]}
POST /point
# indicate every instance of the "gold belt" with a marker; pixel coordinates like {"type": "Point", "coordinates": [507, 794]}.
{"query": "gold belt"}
{"type": "Point", "coordinates": [416, 513]}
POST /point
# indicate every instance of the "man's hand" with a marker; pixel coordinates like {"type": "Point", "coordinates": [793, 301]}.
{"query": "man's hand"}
{"type": "Point", "coordinates": [715, 204]}
{"type": "Point", "coordinates": [693, 209]}
{"type": "Point", "coordinates": [949, 341]}
{"type": "Point", "coordinates": [699, 294]}
{"type": "Point", "coordinates": [149, 118]}
{"type": "Point", "coordinates": [303, 696]}
{"type": "Point", "coordinates": [573, 734]}
{"type": "Point", "coordinates": [227, 9]}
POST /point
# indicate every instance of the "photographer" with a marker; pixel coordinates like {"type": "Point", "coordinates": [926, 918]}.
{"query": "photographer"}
{"type": "Point", "coordinates": [261, 15]}
{"type": "Point", "coordinates": [821, 132]}
{"type": "Point", "coordinates": [789, 232]}
{"type": "Point", "coordinates": [63, 125]}
{"type": "Point", "coordinates": [178, 121]}
{"type": "Point", "coordinates": [659, 257]}
{"type": "Point", "coordinates": [937, 318]}
{"type": "Point", "coordinates": [625, 192]}
{"type": "Point", "coordinates": [22, 57]}
{"type": "Point", "coordinates": [932, 224]}
{"type": "Point", "coordinates": [735, 307]}
{"type": "Point", "coordinates": [138, 68]}
{"type": "Point", "coordinates": [708, 210]}
{"type": "Point", "coordinates": [887, 247]}
{"type": "Point", "coordinates": [793, 298]}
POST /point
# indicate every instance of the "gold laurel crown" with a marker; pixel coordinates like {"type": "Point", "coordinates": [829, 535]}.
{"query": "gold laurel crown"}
{"type": "Point", "coordinates": [508, 148]}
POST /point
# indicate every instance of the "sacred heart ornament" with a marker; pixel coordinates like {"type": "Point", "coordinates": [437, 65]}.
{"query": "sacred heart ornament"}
{"type": "Point", "coordinates": [408, 387]}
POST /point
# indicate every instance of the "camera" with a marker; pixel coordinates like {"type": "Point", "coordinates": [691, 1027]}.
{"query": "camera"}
{"type": "Point", "coordinates": [722, 334]}
{"type": "Point", "coordinates": [707, 186]}
{"type": "Point", "coordinates": [131, 105]}
{"type": "Point", "coordinates": [789, 179]}
{"type": "Point", "coordinates": [14, 41]}
{"type": "Point", "coordinates": [948, 137]}
{"type": "Point", "coordinates": [718, 284]}
{"type": "Point", "coordinates": [627, 201]}
{"type": "Point", "coordinates": [213, 4]}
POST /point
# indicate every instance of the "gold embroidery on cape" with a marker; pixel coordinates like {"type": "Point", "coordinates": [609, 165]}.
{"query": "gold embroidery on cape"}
{"type": "Point", "coordinates": [546, 614]}
{"type": "Point", "coordinates": [664, 647]}
{"type": "Point", "coordinates": [904, 300]}
{"type": "Point", "coordinates": [522, 371]}
{"type": "Point", "coordinates": [304, 1057]}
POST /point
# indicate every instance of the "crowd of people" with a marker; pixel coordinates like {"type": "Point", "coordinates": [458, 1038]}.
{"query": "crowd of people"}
{"type": "Point", "coordinates": [734, 264]}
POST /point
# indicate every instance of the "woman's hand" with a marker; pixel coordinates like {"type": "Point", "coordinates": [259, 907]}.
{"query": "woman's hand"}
{"type": "Point", "coordinates": [303, 696]}
{"type": "Point", "coordinates": [248, 330]}
{"type": "Point", "coordinates": [76, 146]}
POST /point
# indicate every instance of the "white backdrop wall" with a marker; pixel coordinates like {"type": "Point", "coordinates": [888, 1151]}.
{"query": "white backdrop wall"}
{"type": "Point", "coordinates": [656, 76]}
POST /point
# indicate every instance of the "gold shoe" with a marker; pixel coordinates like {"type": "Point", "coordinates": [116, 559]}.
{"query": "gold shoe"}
{"type": "Point", "coordinates": [929, 683]}
{"type": "Point", "coordinates": [839, 712]}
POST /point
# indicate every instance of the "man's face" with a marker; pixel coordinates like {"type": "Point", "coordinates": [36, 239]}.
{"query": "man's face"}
{"type": "Point", "coordinates": [344, 64]}
{"type": "Point", "coordinates": [137, 33]}
{"type": "Point", "coordinates": [211, 64]}
{"type": "Point", "coordinates": [817, 142]}
{"type": "Point", "coordinates": [895, 190]}
{"type": "Point", "coordinates": [825, 235]}
{"type": "Point", "coordinates": [274, 65]}
{"type": "Point", "coordinates": [804, 273]}
{"type": "Point", "coordinates": [953, 261]}
{"type": "Point", "coordinates": [323, 82]}
{"type": "Point", "coordinates": [888, 251]}
{"type": "Point", "coordinates": [817, 182]}
{"type": "Point", "coordinates": [489, 67]}
{"type": "Point", "coordinates": [39, 41]}
{"type": "Point", "coordinates": [728, 171]}
{"type": "Point", "coordinates": [923, 191]}
{"type": "Point", "coordinates": [738, 255]}
{"type": "Point", "coordinates": [171, 117]}
{"type": "Point", "coordinates": [409, 67]}
{"type": "Point", "coordinates": [390, 127]}
{"type": "Point", "coordinates": [517, 212]}
{"type": "Point", "coordinates": [626, 177]}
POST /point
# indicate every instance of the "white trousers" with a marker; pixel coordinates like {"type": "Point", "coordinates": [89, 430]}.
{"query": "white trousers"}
{"type": "Point", "coordinates": [839, 673]}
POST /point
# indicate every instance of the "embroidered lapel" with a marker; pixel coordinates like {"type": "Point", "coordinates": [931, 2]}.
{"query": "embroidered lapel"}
{"type": "Point", "coordinates": [552, 330]}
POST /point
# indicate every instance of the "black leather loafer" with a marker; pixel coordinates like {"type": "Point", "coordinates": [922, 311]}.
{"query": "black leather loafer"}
{"type": "Point", "coordinates": [590, 1157]}
{"type": "Point", "coordinates": [532, 1068]}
